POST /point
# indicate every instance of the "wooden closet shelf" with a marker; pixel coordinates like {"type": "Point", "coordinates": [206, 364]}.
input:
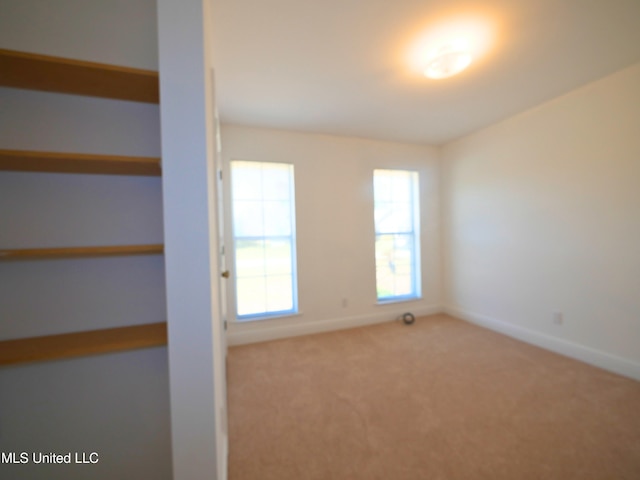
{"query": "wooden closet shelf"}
{"type": "Point", "coordinates": [71, 252]}
{"type": "Point", "coordinates": [29, 161]}
{"type": "Point", "coordinates": [64, 75]}
{"type": "Point", "coordinates": [92, 342]}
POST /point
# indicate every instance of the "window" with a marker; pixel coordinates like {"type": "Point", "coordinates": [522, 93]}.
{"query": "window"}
{"type": "Point", "coordinates": [263, 239]}
{"type": "Point", "coordinates": [396, 212]}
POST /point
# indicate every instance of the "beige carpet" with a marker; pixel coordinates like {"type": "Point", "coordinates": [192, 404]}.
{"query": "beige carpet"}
{"type": "Point", "coordinates": [441, 399]}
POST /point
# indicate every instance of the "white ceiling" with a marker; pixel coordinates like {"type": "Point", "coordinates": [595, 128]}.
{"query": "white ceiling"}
{"type": "Point", "coordinates": [340, 66]}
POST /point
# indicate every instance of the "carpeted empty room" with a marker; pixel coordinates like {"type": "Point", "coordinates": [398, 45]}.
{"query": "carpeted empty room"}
{"type": "Point", "coordinates": [440, 399]}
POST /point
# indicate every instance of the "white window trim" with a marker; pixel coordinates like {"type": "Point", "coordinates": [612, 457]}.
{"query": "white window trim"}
{"type": "Point", "coordinates": [417, 241]}
{"type": "Point", "coordinates": [232, 291]}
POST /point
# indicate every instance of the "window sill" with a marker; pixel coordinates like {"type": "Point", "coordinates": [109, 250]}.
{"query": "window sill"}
{"type": "Point", "coordinates": [398, 300]}
{"type": "Point", "coordinates": [260, 318]}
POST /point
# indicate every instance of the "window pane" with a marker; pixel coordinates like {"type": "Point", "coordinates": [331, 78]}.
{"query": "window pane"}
{"type": "Point", "coordinates": [279, 293]}
{"type": "Point", "coordinates": [403, 285]}
{"type": "Point", "coordinates": [250, 258]}
{"type": "Point", "coordinates": [394, 265]}
{"type": "Point", "coordinates": [277, 215]}
{"type": "Point", "coordinates": [393, 217]}
{"type": "Point", "coordinates": [248, 218]}
{"type": "Point", "coordinates": [382, 187]}
{"type": "Point", "coordinates": [276, 181]}
{"type": "Point", "coordinates": [385, 266]}
{"type": "Point", "coordinates": [278, 257]}
{"type": "Point", "coordinates": [402, 187]}
{"type": "Point", "coordinates": [252, 295]}
{"type": "Point", "coordinates": [246, 181]}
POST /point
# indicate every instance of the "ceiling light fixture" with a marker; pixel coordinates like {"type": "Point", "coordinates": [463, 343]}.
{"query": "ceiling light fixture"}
{"type": "Point", "coordinates": [447, 46]}
{"type": "Point", "coordinates": [447, 61]}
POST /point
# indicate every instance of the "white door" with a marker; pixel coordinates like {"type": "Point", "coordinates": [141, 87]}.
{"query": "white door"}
{"type": "Point", "coordinates": [221, 390]}
{"type": "Point", "coordinates": [224, 272]}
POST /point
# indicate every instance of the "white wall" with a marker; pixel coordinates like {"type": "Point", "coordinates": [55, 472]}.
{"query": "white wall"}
{"type": "Point", "coordinates": [196, 354]}
{"type": "Point", "coordinates": [116, 404]}
{"type": "Point", "coordinates": [542, 214]}
{"type": "Point", "coordinates": [121, 32]}
{"type": "Point", "coordinates": [335, 230]}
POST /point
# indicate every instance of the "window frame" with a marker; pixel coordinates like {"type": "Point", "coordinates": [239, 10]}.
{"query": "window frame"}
{"type": "Point", "coordinates": [292, 240]}
{"type": "Point", "coordinates": [414, 234]}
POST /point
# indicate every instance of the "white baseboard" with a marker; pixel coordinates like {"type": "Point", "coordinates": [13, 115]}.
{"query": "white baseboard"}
{"type": "Point", "coordinates": [262, 331]}
{"type": "Point", "coordinates": [585, 354]}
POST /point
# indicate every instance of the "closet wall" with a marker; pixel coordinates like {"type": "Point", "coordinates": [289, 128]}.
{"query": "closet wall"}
{"type": "Point", "coordinates": [116, 404]}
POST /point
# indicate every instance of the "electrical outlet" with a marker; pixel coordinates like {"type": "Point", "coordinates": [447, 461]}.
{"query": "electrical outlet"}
{"type": "Point", "coordinates": [558, 318]}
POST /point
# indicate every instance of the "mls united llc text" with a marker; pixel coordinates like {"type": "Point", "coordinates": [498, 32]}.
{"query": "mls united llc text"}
{"type": "Point", "coordinates": [51, 457]}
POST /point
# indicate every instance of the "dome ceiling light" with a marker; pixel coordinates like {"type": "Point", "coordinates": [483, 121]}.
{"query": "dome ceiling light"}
{"type": "Point", "coordinates": [447, 61]}
{"type": "Point", "coordinates": [447, 47]}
